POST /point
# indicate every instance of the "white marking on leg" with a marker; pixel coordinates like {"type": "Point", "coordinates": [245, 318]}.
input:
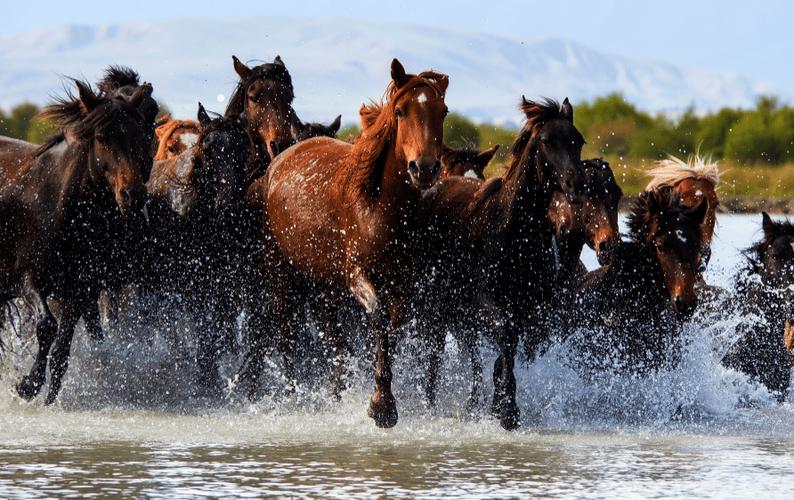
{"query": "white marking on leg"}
{"type": "Point", "coordinates": [364, 292]}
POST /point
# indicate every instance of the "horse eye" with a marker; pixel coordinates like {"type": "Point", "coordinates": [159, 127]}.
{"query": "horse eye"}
{"type": "Point", "coordinates": [445, 113]}
{"type": "Point", "coordinates": [398, 113]}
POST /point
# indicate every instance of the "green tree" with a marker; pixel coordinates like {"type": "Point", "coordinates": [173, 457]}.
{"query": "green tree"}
{"type": "Point", "coordinates": [348, 132]}
{"type": "Point", "coordinates": [20, 119]}
{"type": "Point", "coordinates": [610, 108]}
{"type": "Point", "coordinates": [460, 131]}
{"type": "Point", "coordinates": [491, 134]}
{"type": "Point", "coordinates": [4, 130]}
{"type": "Point", "coordinates": [714, 129]}
{"type": "Point", "coordinates": [39, 130]}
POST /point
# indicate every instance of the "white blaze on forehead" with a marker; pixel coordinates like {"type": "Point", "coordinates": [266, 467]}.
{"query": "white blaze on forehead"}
{"type": "Point", "coordinates": [188, 140]}
{"type": "Point", "coordinates": [421, 98]}
{"type": "Point", "coordinates": [470, 173]}
{"type": "Point", "coordinates": [698, 193]}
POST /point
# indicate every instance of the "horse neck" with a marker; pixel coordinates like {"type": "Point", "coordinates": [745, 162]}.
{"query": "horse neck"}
{"type": "Point", "coordinates": [523, 201]}
{"type": "Point", "coordinates": [393, 190]}
{"type": "Point", "coordinates": [636, 269]}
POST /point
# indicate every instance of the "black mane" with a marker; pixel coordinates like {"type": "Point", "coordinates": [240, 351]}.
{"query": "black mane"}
{"type": "Point", "coordinates": [116, 77]}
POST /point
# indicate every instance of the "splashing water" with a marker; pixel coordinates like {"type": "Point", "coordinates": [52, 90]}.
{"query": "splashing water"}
{"type": "Point", "coordinates": [129, 411]}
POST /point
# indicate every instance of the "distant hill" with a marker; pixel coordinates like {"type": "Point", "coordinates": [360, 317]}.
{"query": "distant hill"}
{"type": "Point", "coordinates": [337, 65]}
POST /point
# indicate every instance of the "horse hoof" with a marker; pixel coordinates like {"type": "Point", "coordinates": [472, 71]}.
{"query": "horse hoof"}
{"type": "Point", "coordinates": [510, 420]}
{"type": "Point", "coordinates": [383, 411]}
{"type": "Point", "coordinates": [27, 389]}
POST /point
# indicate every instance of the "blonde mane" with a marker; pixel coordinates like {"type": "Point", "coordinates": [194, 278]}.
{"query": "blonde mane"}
{"type": "Point", "coordinates": [672, 170]}
{"type": "Point", "coordinates": [168, 128]}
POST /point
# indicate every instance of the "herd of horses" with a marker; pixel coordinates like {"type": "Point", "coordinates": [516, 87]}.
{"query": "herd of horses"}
{"type": "Point", "coordinates": [257, 212]}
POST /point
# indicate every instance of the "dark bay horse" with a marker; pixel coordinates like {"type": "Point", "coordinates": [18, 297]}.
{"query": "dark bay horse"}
{"type": "Point", "coordinates": [302, 131]}
{"type": "Point", "coordinates": [466, 161]}
{"type": "Point", "coordinates": [192, 245]}
{"type": "Point", "coordinates": [339, 214]}
{"type": "Point", "coordinates": [490, 244]}
{"type": "Point", "coordinates": [695, 180]}
{"type": "Point", "coordinates": [591, 220]}
{"type": "Point", "coordinates": [64, 205]}
{"type": "Point", "coordinates": [765, 289]}
{"type": "Point", "coordinates": [631, 307]}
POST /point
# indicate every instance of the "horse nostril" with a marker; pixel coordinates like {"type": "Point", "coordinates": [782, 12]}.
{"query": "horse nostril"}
{"type": "Point", "coordinates": [436, 167]}
{"type": "Point", "coordinates": [413, 168]}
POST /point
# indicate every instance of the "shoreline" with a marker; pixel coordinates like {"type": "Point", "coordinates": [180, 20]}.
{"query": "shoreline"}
{"type": "Point", "coordinates": [738, 204]}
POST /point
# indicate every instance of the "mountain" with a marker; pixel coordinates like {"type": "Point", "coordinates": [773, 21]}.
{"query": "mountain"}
{"type": "Point", "coordinates": [337, 64]}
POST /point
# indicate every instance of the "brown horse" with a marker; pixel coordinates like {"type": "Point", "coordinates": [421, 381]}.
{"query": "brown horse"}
{"type": "Point", "coordinates": [174, 137]}
{"type": "Point", "coordinates": [591, 220]}
{"type": "Point", "coordinates": [694, 180]}
{"type": "Point", "coordinates": [264, 94]}
{"type": "Point", "coordinates": [488, 247]}
{"type": "Point", "coordinates": [63, 208]}
{"type": "Point", "coordinates": [466, 161]}
{"type": "Point", "coordinates": [339, 215]}
{"type": "Point", "coordinates": [632, 307]}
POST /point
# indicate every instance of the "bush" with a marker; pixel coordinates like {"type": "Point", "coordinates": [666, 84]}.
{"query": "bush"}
{"type": "Point", "coordinates": [459, 131]}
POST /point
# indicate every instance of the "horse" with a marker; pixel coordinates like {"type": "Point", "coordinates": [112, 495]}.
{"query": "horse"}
{"type": "Point", "coordinates": [174, 137]}
{"type": "Point", "coordinates": [466, 161]}
{"type": "Point", "coordinates": [592, 220]}
{"type": "Point", "coordinates": [194, 200]}
{"type": "Point", "coordinates": [764, 289]}
{"type": "Point", "coordinates": [264, 94]}
{"type": "Point", "coordinates": [336, 215]}
{"type": "Point", "coordinates": [64, 207]}
{"type": "Point", "coordinates": [302, 131]}
{"type": "Point", "coordinates": [488, 249]}
{"type": "Point", "coordinates": [631, 308]}
{"type": "Point", "coordinates": [694, 180]}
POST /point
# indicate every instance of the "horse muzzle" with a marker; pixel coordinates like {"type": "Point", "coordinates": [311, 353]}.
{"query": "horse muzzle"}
{"type": "Point", "coordinates": [424, 172]}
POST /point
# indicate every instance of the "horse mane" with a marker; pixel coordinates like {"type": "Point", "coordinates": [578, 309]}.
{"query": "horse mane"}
{"type": "Point", "coordinates": [660, 208]}
{"type": "Point", "coordinates": [68, 113]}
{"type": "Point", "coordinates": [167, 129]}
{"type": "Point", "coordinates": [268, 71]}
{"type": "Point", "coordinates": [537, 113]}
{"type": "Point", "coordinates": [371, 145]}
{"type": "Point", "coordinates": [116, 77]}
{"type": "Point", "coordinates": [672, 170]}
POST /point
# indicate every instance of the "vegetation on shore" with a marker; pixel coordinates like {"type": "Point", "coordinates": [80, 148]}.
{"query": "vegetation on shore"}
{"type": "Point", "coordinates": [755, 147]}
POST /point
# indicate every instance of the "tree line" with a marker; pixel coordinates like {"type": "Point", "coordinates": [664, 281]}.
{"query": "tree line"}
{"type": "Point", "coordinates": [612, 126]}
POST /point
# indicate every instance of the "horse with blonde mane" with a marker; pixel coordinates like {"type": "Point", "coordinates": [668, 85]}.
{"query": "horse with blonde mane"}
{"type": "Point", "coordinates": [337, 216]}
{"type": "Point", "coordinates": [694, 180]}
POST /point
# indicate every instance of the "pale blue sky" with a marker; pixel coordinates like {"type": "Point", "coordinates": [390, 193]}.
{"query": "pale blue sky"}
{"type": "Point", "coordinates": [754, 39]}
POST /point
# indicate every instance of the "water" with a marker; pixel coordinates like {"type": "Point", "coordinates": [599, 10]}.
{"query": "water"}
{"type": "Point", "coordinates": [128, 423]}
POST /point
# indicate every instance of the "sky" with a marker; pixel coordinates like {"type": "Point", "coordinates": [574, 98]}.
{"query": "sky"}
{"type": "Point", "coordinates": [754, 39]}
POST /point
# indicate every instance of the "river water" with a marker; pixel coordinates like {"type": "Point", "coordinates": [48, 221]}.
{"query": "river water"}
{"type": "Point", "coordinates": [129, 424]}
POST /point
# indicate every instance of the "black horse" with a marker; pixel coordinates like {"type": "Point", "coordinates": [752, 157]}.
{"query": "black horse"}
{"type": "Point", "coordinates": [64, 209]}
{"type": "Point", "coordinates": [765, 289]}
{"type": "Point", "coordinates": [630, 310]}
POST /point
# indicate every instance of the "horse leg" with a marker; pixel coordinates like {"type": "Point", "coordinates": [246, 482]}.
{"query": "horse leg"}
{"type": "Point", "coordinates": [93, 323]}
{"type": "Point", "coordinates": [471, 344]}
{"type": "Point", "coordinates": [253, 363]}
{"type": "Point", "coordinates": [504, 396]}
{"type": "Point", "coordinates": [435, 347]}
{"type": "Point", "coordinates": [337, 341]}
{"type": "Point", "coordinates": [382, 405]}
{"type": "Point", "coordinates": [59, 357]}
{"type": "Point", "coordinates": [46, 330]}
{"type": "Point", "coordinates": [208, 350]}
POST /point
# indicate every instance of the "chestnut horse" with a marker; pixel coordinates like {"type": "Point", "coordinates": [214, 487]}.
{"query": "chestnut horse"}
{"type": "Point", "coordinates": [632, 307]}
{"type": "Point", "coordinates": [694, 180]}
{"type": "Point", "coordinates": [174, 137]}
{"type": "Point", "coordinates": [765, 290]}
{"type": "Point", "coordinates": [339, 215]}
{"type": "Point", "coordinates": [63, 208]}
{"type": "Point", "coordinates": [488, 246]}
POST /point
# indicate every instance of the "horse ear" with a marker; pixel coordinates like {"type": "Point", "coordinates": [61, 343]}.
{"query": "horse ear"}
{"type": "Point", "coordinates": [485, 156]}
{"type": "Point", "coordinates": [278, 62]}
{"type": "Point", "coordinates": [241, 69]}
{"type": "Point", "coordinates": [398, 75]}
{"type": "Point", "coordinates": [203, 118]}
{"type": "Point", "coordinates": [335, 125]}
{"type": "Point", "coordinates": [525, 104]}
{"type": "Point", "coordinates": [163, 120]}
{"type": "Point", "coordinates": [767, 224]}
{"type": "Point", "coordinates": [141, 93]}
{"type": "Point", "coordinates": [443, 83]}
{"type": "Point", "coordinates": [567, 110]}
{"type": "Point", "coordinates": [88, 99]}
